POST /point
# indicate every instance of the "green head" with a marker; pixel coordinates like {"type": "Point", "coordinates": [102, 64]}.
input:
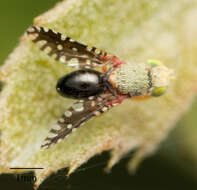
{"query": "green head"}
{"type": "Point", "coordinates": [161, 77]}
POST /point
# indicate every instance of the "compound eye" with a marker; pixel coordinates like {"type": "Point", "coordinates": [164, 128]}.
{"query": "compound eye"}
{"type": "Point", "coordinates": [159, 91]}
{"type": "Point", "coordinates": [154, 63]}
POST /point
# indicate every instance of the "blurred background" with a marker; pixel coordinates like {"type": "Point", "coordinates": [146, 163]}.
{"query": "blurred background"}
{"type": "Point", "coordinates": [173, 166]}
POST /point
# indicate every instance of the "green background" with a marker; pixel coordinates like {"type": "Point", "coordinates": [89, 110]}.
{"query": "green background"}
{"type": "Point", "coordinates": [165, 170]}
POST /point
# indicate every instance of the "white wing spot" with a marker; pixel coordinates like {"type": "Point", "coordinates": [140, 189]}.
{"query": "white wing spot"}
{"type": "Point", "coordinates": [88, 62]}
{"type": "Point", "coordinates": [89, 48]}
{"type": "Point", "coordinates": [38, 28]}
{"type": "Point", "coordinates": [97, 51]}
{"type": "Point", "coordinates": [59, 140]}
{"type": "Point", "coordinates": [78, 107]}
{"type": "Point", "coordinates": [87, 67]}
{"type": "Point", "coordinates": [74, 62]}
{"type": "Point", "coordinates": [82, 123]}
{"type": "Point", "coordinates": [54, 56]}
{"type": "Point", "coordinates": [95, 64]}
{"type": "Point", "coordinates": [34, 36]}
{"type": "Point", "coordinates": [51, 135]}
{"type": "Point", "coordinates": [74, 49]}
{"type": "Point", "coordinates": [46, 29]}
{"type": "Point", "coordinates": [63, 37]}
{"type": "Point", "coordinates": [61, 120]}
{"type": "Point", "coordinates": [97, 113]}
{"type": "Point", "coordinates": [54, 31]}
{"type": "Point", "coordinates": [41, 43]}
{"type": "Point", "coordinates": [71, 40]}
{"type": "Point", "coordinates": [69, 126]}
{"type": "Point", "coordinates": [47, 50]}
{"type": "Point", "coordinates": [62, 59]}
{"type": "Point", "coordinates": [100, 99]}
{"type": "Point", "coordinates": [44, 147]}
{"type": "Point", "coordinates": [104, 109]}
{"type": "Point", "coordinates": [59, 47]}
{"type": "Point", "coordinates": [91, 98]}
{"type": "Point", "coordinates": [93, 103]}
{"type": "Point", "coordinates": [68, 113]}
{"type": "Point", "coordinates": [57, 127]}
{"type": "Point", "coordinates": [31, 29]}
{"type": "Point", "coordinates": [74, 130]}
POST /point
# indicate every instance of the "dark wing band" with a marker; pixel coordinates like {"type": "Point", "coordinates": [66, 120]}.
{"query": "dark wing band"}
{"type": "Point", "coordinates": [64, 49]}
{"type": "Point", "coordinates": [77, 115]}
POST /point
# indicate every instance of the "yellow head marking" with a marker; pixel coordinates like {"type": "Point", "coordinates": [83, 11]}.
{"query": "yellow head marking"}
{"type": "Point", "coordinates": [159, 91]}
{"type": "Point", "coordinates": [154, 63]}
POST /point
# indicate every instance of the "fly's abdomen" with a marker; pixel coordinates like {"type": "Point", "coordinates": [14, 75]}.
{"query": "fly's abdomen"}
{"type": "Point", "coordinates": [81, 84]}
{"type": "Point", "coordinates": [133, 79]}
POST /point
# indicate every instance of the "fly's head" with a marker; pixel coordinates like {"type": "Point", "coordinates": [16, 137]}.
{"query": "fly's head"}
{"type": "Point", "coordinates": [160, 77]}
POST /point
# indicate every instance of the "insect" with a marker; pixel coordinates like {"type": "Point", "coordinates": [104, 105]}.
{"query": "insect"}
{"type": "Point", "coordinates": [96, 91]}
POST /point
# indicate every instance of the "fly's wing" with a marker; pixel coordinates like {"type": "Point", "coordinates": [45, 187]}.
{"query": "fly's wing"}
{"type": "Point", "coordinates": [64, 49]}
{"type": "Point", "coordinates": [80, 112]}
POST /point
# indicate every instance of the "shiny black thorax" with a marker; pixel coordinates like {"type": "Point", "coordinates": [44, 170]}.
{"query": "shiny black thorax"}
{"type": "Point", "coordinates": [82, 84]}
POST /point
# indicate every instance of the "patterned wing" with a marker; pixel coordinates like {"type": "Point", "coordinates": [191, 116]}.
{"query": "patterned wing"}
{"type": "Point", "coordinates": [77, 115]}
{"type": "Point", "coordinates": [64, 49]}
